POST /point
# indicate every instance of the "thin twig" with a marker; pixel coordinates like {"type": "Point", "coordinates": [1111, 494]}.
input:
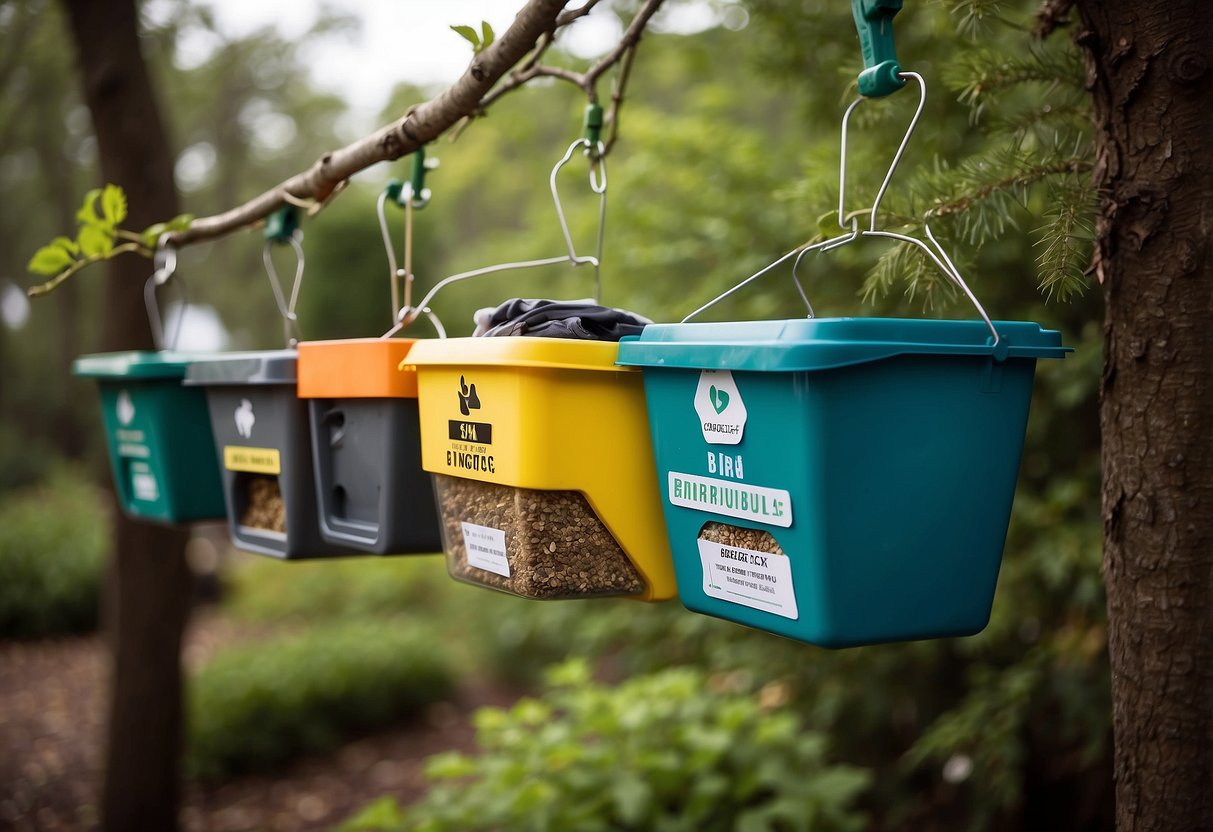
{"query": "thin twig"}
{"type": "Point", "coordinates": [567, 17]}
{"type": "Point", "coordinates": [630, 38]}
{"type": "Point", "coordinates": [50, 285]}
{"type": "Point", "coordinates": [617, 97]}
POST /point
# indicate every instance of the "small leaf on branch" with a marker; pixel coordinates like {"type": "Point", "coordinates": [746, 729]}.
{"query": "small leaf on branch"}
{"type": "Point", "coordinates": [88, 211]}
{"type": "Point", "coordinates": [95, 241]}
{"type": "Point", "coordinates": [487, 35]}
{"type": "Point", "coordinates": [113, 205]}
{"type": "Point", "coordinates": [50, 259]}
{"type": "Point", "coordinates": [66, 244]}
{"type": "Point", "coordinates": [468, 34]}
{"type": "Point", "coordinates": [151, 234]}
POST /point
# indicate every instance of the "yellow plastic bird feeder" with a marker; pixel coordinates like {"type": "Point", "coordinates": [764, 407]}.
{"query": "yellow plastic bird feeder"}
{"type": "Point", "coordinates": [543, 467]}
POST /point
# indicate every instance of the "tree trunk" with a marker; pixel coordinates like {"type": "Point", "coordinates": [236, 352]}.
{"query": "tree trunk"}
{"type": "Point", "coordinates": [1151, 77]}
{"type": "Point", "coordinates": [148, 590]}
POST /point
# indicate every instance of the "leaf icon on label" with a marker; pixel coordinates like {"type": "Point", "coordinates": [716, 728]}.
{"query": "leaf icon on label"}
{"type": "Point", "coordinates": [720, 399]}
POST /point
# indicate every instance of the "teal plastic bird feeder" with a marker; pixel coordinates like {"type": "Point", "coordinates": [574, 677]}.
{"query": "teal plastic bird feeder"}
{"type": "Point", "coordinates": [839, 481]}
{"type": "Point", "coordinates": [158, 434]}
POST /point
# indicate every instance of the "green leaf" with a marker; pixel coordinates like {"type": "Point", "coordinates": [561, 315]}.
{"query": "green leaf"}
{"type": "Point", "coordinates": [95, 241]}
{"type": "Point", "coordinates": [67, 244]}
{"type": "Point", "coordinates": [488, 35]}
{"type": "Point", "coordinates": [50, 259]}
{"type": "Point", "coordinates": [468, 34]}
{"type": "Point", "coordinates": [151, 234]}
{"type": "Point", "coordinates": [88, 211]}
{"type": "Point", "coordinates": [113, 204]}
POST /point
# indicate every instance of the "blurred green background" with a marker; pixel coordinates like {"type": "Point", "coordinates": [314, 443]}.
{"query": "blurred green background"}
{"type": "Point", "coordinates": [727, 157]}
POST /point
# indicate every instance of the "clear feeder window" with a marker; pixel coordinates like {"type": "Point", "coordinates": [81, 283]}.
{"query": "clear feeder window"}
{"type": "Point", "coordinates": [554, 544]}
{"type": "Point", "coordinates": [755, 540]}
{"type": "Point", "coordinates": [263, 507]}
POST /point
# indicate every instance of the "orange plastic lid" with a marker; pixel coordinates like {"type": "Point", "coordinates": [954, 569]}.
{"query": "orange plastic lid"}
{"type": "Point", "coordinates": [356, 368]}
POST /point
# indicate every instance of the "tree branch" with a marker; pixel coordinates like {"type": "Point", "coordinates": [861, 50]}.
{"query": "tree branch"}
{"type": "Point", "coordinates": [419, 126]}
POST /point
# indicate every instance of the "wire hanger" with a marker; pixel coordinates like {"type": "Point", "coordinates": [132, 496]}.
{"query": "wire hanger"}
{"type": "Point", "coordinates": [282, 226]}
{"type": "Point", "coordinates": [165, 264]}
{"type": "Point", "coordinates": [598, 184]}
{"type": "Point", "coordinates": [934, 250]}
{"type": "Point", "coordinates": [411, 195]}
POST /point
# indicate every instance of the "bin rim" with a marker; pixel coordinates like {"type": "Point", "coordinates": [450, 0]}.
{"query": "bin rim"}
{"type": "Point", "coordinates": [515, 351]}
{"type": "Point", "coordinates": [356, 368]}
{"type": "Point", "coordinates": [808, 344]}
{"type": "Point", "coordinates": [136, 365]}
{"type": "Point", "coordinates": [244, 368]}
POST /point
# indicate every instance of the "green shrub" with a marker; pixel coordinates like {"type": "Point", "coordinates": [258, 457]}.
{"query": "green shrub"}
{"type": "Point", "coordinates": [510, 638]}
{"type": "Point", "coordinates": [268, 590]}
{"type": "Point", "coordinates": [259, 704]}
{"type": "Point", "coordinates": [53, 544]}
{"type": "Point", "coordinates": [675, 750]}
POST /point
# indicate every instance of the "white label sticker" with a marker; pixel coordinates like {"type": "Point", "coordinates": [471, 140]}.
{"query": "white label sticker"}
{"type": "Point", "coordinates": [722, 413]}
{"type": "Point", "coordinates": [759, 580]}
{"type": "Point", "coordinates": [772, 506]}
{"type": "Point", "coordinates": [485, 547]}
{"type": "Point", "coordinates": [144, 486]}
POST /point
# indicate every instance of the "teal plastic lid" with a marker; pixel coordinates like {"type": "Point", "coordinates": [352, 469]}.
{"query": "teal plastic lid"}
{"type": "Point", "coordinates": [268, 367]}
{"type": "Point", "coordinates": [135, 365]}
{"type": "Point", "coordinates": [808, 344]}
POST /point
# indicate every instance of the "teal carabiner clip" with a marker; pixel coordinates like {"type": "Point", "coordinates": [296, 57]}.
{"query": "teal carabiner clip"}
{"type": "Point", "coordinates": [882, 71]}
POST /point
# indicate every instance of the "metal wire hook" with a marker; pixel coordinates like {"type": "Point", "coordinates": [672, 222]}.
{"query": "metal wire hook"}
{"type": "Point", "coordinates": [290, 322]}
{"type": "Point", "coordinates": [901, 149]}
{"type": "Point", "coordinates": [598, 184]}
{"type": "Point", "coordinates": [402, 321]}
{"type": "Point", "coordinates": [395, 273]}
{"type": "Point", "coordinates": [165, 262]}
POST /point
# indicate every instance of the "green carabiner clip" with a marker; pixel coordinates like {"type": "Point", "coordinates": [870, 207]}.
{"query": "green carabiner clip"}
{"type": "Point", "coordinates": [413, 192]}
{"type": "Point", "coordinates": [593, 127]}
{"type": "Point", "coordinates": [882, 71]}
{"type": "Point", "coordinates": [281, 225]}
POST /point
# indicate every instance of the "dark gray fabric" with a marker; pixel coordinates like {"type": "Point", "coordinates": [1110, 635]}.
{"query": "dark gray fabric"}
{"type": "Point", "coordinates": [579, 319]}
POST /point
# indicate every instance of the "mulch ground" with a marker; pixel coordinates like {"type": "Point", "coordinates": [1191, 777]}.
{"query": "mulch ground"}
{"type": "Point", "coordinates": [52, 702]}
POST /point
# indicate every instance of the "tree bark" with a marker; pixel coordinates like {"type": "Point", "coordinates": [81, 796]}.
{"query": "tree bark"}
{"type": "Point", "coordinates": [1151, 79]}
{"type": "Point", "coordinates": [148, 590]}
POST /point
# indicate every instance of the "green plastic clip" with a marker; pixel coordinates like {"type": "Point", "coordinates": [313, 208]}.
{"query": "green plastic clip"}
{"type": "Point", "coordinates": [874, 20]}
{"type": "Point", "coordinates": [281, 225]}
{"type": "Point", "coordinates": [395, 191]}
{"type": "Point", "coordinates": [593, 125]}
{"type": "Point", "coordinates": [418, 178]}
{"type": "Point", "coordinates": [414, 190]}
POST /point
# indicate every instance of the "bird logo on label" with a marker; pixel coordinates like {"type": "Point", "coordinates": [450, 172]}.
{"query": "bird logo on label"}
{"type": "Point", "coordinates": [245, 418]}
{"type": "Point", "coordinates": [125, 408]}
{"type": "Point", "coordinates": [468, 400]}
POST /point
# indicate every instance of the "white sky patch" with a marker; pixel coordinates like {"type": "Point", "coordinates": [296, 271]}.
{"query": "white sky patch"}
{"type": "Point", "coordinates": [201, 330]}
{"type": "Point", "coordinates": [14, 307]}
{"type": "Point", "coordinates": [194, 166]}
